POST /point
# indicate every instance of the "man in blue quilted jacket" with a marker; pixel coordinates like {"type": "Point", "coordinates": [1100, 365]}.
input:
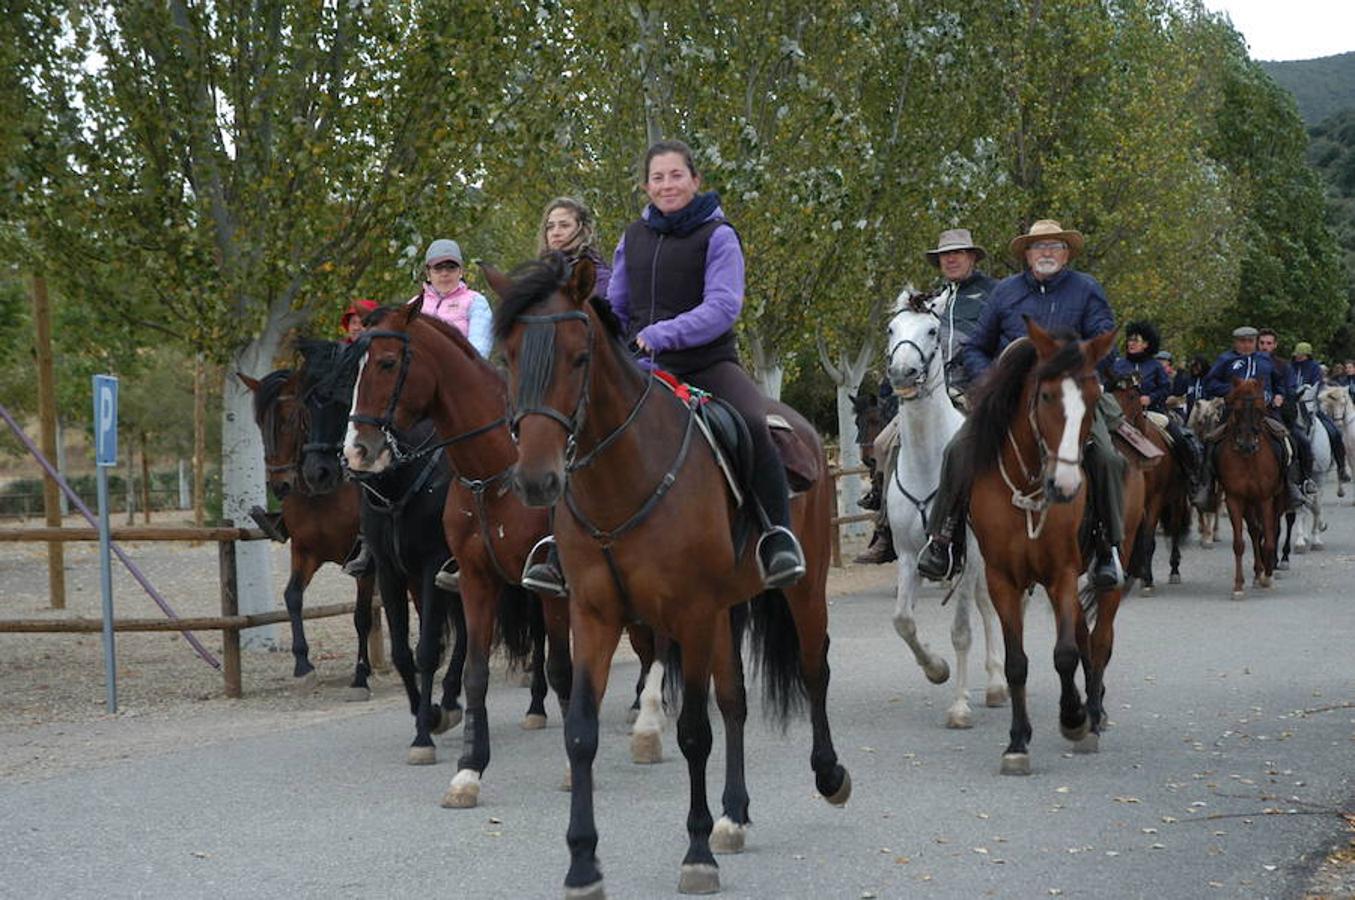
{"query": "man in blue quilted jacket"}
{"type": "Point", "coordinates": [1058, 299]}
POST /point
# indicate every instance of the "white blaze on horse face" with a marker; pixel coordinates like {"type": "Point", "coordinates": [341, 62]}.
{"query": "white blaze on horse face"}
{"type": "Point", "coordinates": [350, 438]}
{"type": "Point", "coordinates": [1068, 474]}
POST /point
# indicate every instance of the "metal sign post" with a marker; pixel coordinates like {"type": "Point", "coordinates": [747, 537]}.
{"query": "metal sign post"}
{"type": "Point", "coordinates": [106, 455]}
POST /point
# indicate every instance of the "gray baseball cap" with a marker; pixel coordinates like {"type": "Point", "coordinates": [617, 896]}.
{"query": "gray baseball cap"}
{"type": "Point", "coordinates": [442, 249]}
{"type": "Point", "coordinates": [1246, 331]}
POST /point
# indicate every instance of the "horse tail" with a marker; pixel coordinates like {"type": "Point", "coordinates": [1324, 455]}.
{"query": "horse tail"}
{"type": "Point", "coordinates": [670, 654]}
{"type": "Point", "coordinates": [518, 611]}
{"type": "Point", "coordinates": [776, 656]}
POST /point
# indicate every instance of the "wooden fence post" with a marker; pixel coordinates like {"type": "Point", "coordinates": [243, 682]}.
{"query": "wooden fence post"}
{"type": "Point", "coordinates": [837, 529]}
{"type": "Point", "coordinates": [42, 325]}
{"type": "Point", "coordinates": [230, 606]}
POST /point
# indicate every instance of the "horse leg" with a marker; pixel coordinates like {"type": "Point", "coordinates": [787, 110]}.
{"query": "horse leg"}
{"type": "Point", "coordinates": [699, 874]}
{"type": "Point", "coordinates": [358, 689]}
{"type": "Point", "coordinates": [996, 692]}
{"type": "Point", "coordinates": [432, 625]}
{"type": "Point", "coordinates": [731, 829]}
{"type": "Point", "coordinates": [1235, 515]}
{"type": "Point", "coordinates": [934, 667]}
{"type": "Point", "coordinates": [449, 709]}
{"type": "Point", "coordinates": [642, 642]}
{"type": "Point", "coordinates": [961, 638]}
{"type": "Point", "coordinates": [1283, 564]}
{"type": "Point", "coordinates": [1268, 529]}
{"type": "Point", "coordinates": [304, 566]}
{"type": "Point", "coordinates": [1102, 645]}
{"type": "Point", "coordinates": [394, 597]}
{"type": "Point", "coordinates": [595, 641]}
{"type": "Point", "coordinates": [1009, 606]}
{"type": "Point", "coordinates": [559, 671]}
{"type": "Point", "coordinates": [1175, 576]}
{"type": "Point", "coordinates": [646, 735]}
{"type": "Point", "coordinates": [1069, 623]}
{"type": "Point", "coordinates": [479, 594]}
{"type": "Point", "coordinates": [1257, 546]}
{"type": "Point", "coordinates": [536, 709]}
{"type": "Point", "coordinates": [809, 609]}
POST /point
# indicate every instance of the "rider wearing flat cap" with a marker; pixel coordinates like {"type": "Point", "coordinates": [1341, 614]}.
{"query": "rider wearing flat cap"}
{"type": "Point", "coordinates": [1059, 299]}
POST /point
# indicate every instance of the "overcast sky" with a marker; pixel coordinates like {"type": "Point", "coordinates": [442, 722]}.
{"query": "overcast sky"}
{"type": "Point", "coordinates": [1292, 29]}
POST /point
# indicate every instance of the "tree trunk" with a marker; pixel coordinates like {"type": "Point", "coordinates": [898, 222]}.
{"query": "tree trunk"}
{"type": "Point", "coordinates": [767, 369]}
{"type": "Point", "coordinates": [242, 483]}
{"type": "Point", "coordinates": [199, 441]}
{"type": "Point", "coordinates": [145, 482]}
{"type": "Point", "coordinates": [129, 454]}
{"type": "Point", "coordinates": [185, 495]}
{"type": "Point", "coordinates": [847, 374]}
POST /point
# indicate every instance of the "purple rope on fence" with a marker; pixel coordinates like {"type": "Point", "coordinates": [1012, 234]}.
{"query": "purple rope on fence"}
{"type": "Point", "coordinates": [79, 504]}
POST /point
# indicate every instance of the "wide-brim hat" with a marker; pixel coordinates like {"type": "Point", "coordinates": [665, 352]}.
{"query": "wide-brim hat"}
{"type": "Point", "coordinates": [1046, 230]}
{"type": "Point", "coordinates": [954, 239]}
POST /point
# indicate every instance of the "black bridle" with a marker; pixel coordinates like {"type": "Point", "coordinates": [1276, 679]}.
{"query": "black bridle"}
{"type": "Point", "coordinates": [921, 382]}
{"type": "Point", "coordinates": [385, 423]}
{"type": "Point", "coordinates": [298, 420]}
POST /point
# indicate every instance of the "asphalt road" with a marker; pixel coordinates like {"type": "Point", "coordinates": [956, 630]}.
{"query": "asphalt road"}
{"type": "Point", "coordinates": [1228, 762]}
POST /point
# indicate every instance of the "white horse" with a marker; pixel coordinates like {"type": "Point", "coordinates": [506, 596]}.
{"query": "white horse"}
{"type": "Point", "coordinates": [1308, 524]}
{"type": "Point", "coordinates": [925, 423]}
{"type": "Point", "coordinates": [1338, 403]}
{"type": "Point", "coordinates": [1205, 416]}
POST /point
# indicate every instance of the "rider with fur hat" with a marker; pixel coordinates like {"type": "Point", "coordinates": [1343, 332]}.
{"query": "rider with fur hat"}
{"type": "Point", "coordinates": [1059, 299]}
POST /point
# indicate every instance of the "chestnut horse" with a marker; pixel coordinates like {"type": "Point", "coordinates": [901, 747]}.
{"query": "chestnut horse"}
{"type": "Point", "coordinates": [1027, 506]}
{"type": "Point", "coordinates": [645, 528]}
{"type": "Point", "coordinates": [322, 526]}
{"type": "Point", "coordinates": [1253, 482]}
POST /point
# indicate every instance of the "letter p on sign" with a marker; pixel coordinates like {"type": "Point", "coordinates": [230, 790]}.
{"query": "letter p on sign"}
{"type": "Point", "coordinates": [105, 420]}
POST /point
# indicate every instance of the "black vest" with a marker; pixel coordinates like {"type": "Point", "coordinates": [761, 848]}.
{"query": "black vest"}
{"type": "Point", "coordinates": [666, 275]}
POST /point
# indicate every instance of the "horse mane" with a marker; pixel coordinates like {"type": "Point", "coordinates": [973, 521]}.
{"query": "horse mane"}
{"type": "Point", "coordinates": [995, 401]}
{"type": "Point", "coordinates": [270, 386]}
{"type": "Point", "coordinates": [320, 357]}
{"type": "Point", "coordinates": [533, 283]}
{"type": "Point", "coordinates": [913, 300]}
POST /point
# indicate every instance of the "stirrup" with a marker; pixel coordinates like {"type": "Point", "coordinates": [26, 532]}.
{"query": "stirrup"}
{"type": "Point", "coordinates": [954, 565]}
{"type": "Point", "coordinates": [448, 577]}
{"type": "Point", "coordinates": [1117, 577]}
{"type": "Point", "coordinates": [788, 576]}
{"type": "Point", "coordinates": [542, 576]}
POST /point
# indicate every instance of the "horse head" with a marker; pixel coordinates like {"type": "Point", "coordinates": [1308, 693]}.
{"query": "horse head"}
{"type": "Point", "coordinates": [1336, 403]}
{"type": "Point", "coordinates": [1246, 410]}
{"type": "Point", "coordinates": [915, 364]}
{"type": "Point", "coordinates": [1306, 398]}
{"type": "Point", "coordinates": [327, 391]}
{"type": "Point", "coordinates": [389, 395]}
{"type": "Point", "coordinates": [282, 421]}
{"type": "Point", "coordinates": [547, 329]}
{"type": "Point", "coordinates": [1066, 391]}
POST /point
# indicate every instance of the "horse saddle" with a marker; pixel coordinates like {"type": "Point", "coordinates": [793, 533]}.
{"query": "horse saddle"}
{"type": "Point", "coordinates": [1159, 422]}
{"type": "Point", "coordinates": [1143, 451]}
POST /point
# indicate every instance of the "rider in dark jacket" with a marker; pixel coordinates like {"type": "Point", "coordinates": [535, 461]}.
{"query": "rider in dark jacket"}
{"type": "Point", "coordinates": [1306, 372]}
{"type": "Point", "coordinates": [1140, 359]}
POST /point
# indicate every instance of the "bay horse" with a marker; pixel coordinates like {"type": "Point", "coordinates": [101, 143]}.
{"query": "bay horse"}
{"type": "Point", "coordinates": [1253, 481]}
{"type": "Point", "coordinates": [401, 516]}
{"type": "Point", "coordinates": [645, 525]}
{"type": "Point", "coordinates": [927, 421]}
{"type": "Point", "coordinates": [322, 525]}
{"type": "Point", "coordinates": [1027, 507]}
{"type": "Point", "coordinates": [1166, 489]}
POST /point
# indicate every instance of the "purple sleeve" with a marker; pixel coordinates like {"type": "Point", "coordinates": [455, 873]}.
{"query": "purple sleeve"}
{"type": "Point", "coordinates": [719, 307]}
{"type": "Point", "coordinates": [601, 280]}
{"type": "Point", "coordinates": [618, 287]}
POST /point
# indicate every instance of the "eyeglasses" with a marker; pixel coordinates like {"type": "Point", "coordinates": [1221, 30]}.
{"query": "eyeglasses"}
{"type": "Point", "coordinates": [446, 266]}
{"type": "Point", "coordinates": [1049, 245]}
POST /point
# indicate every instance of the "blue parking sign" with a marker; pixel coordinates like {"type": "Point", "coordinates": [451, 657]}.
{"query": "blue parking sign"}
{"type": "Point", "coordinates": [105, 420]}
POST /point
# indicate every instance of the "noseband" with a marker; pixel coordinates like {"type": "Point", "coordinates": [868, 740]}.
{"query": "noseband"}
{"type": "Point", "coordinates": [921, 382]}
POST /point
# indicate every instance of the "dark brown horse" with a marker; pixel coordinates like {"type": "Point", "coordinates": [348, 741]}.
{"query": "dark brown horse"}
{"type": "Point", "coordinates": [1027, 506]}
{"type": "Point", "coordinates": [1252, 480]}
{"type": "Point", "coordinates": [645, 527]}
{"type": "Point", "coordinates": [322, 526]}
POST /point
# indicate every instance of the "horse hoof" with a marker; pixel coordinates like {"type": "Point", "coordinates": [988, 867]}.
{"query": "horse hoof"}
{"type": "Point", "coordinates": [1318, 546]}
{"type": "Point", "coordinates": [422, 756]}
{"type": "Point", "coordinates": [958, 718]}
{"type": "Point", "coordinates": [1174, 578]}
{"type": "Point", "coordinates": [1089, 744]}
{"type": "Point", "coordinates": [646, 747]}
{"type": "Point", "coordinates": [938, 674]}
{"type": "Point", "coordinates": [1147, 590]}
{"type": "Point", "coordinates": [1078, 733]}
{"type": "Point", "coordinates": [464, 793]}
{"type": "Point", "coordinates": [995, 696]}
{"type": "Point", "coordinates": [1265, 581]}
{"type": "Point", "coordinates": [1015, 764]}
{"type": "Point", "coordinates": [447, 720]}
{"type": "Point", "coordinates": [1238, 595]}
{"type": "Point", "coordinates": [358, 694]}
{"type": "Point", "coordinates": [1300, 549]}
{"type": "Point", "coordinates": [593, 891]}
{"type": "Point", "coordinates": [844, 793]}
{"type": "Point", "coordinates": [533, 722]}
{"type": "Point", "coordinates": [699, 878]}
{"type": "Point", "coordinates": [727, 837]}
{"type": "Point", "coordinates": [1282, 565]}
{"type": "Point", "coordinates": [306, 684]}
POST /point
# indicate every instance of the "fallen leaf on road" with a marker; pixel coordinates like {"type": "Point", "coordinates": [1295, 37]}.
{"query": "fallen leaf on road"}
{"type": "Point", "coordinates": [902, 860]}
{"type": "Point", "coordinates": [1127, 800]}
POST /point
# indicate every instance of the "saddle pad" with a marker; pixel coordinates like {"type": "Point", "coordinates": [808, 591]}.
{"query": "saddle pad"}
{"type": "Point", "coordinates": [725, 435]}
{"type": "Point", "coordinates": [1138, 441]}
{"type": "Point", "coordinates": [1159, 421]}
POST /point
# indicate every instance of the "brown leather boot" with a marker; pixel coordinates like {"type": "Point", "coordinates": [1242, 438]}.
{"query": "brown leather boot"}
{"type": "Point", "coordinates": [880, 550]}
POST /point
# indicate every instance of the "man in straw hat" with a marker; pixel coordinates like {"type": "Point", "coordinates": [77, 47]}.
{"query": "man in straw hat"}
{"type": "Point", "coordinates": [957, 258]}
{"type": "Point", "coordinates": [1058, 298]}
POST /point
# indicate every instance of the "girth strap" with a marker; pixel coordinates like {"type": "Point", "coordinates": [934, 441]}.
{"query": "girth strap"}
{"type": "Point", "coordinates": [478, 487]}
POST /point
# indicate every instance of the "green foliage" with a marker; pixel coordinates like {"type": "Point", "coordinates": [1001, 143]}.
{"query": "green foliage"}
{"type": "Point", "coordinates": [1322, 87]}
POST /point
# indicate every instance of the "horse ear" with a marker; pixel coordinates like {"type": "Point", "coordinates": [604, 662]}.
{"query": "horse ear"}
{"type": "Point", "coordinates": [251, 383]}
{"type": "Point", "coordinates": [1099, 346]}
{"type": "Point", "coordinates": [499, 283]}
{"type": "Point", "coordinates": [413, 308]}
{"type": "Point", "coordinates": [582, 281]}
{"type": "Point", "coordinates": [1044, 342]}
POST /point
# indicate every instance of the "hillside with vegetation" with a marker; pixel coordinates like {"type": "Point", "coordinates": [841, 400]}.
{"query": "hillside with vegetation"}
{"type": "Point", "coordinates": [1322, 86]}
